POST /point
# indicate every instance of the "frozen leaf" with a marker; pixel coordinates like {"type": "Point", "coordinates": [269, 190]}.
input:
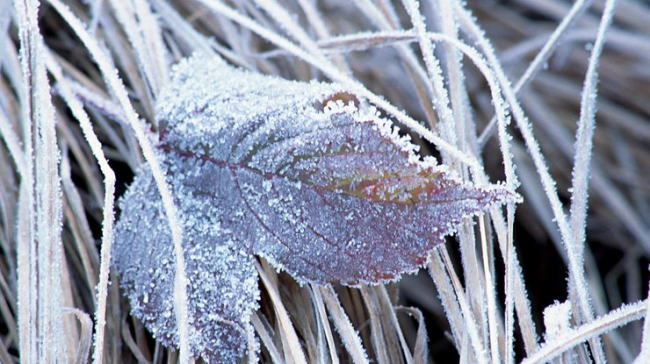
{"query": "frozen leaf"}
{"type": "Point", "coordinates": [304, 174]}
{"type": "Point", "coordinates": [222, 290]}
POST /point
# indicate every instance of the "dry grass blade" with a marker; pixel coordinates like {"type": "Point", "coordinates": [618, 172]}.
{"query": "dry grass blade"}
{"type": "Point", "coordinates": [264, 335]}
{"type": "Point", "coordinates": [420, 350]}
{"type": "Point", "coordinates": [119, 92]}
{"type": "Point", "coordinates": [541, 58]}
{"type": "Point", "coordinates": [289, 337]}
{"type": "Point", "coordinates": [644, 354]}
{"type": "Point", "coordinates": [41, 324]}
{"type": "Point", "coordinates": [109, 198]}
{"type": "Point", "coordinates": [85, 337]}
{"type": "Point", "coordinates": [584, 136]}
{"type": "Point", "coordinates": [585, 332]}
{"type": "Point", "coordinates": [345, 329]}
{"type": "Point", "coordinates": [324, 322]}
{"type": "Point", "coordinates": [376, 328]}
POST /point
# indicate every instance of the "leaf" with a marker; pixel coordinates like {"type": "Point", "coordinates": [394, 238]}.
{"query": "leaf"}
{"type": "Point", "coordinates": [323, 189]}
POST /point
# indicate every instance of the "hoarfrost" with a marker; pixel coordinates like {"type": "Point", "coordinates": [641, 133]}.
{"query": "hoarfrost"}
{"type": "Point", "coordinates": [323, 189]}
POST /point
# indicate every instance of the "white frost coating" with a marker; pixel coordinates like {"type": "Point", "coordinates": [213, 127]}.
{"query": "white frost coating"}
{"type": "Point", "coordinates": [557, 319]}
{"type": "Point", "coordinates": [325, 190]}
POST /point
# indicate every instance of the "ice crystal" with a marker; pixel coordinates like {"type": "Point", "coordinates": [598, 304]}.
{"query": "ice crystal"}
{"type": "Point", "coordinates": [305, 175]}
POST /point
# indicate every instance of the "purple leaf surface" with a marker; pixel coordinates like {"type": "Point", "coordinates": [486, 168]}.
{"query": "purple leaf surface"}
{"type": "Point", "coordinates": [324, 189]}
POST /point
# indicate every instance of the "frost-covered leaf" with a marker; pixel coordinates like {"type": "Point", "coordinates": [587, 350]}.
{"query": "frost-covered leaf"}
{"type": "Point", "coordinates": [222, 290]}
{"type": "Point", "coordinates": [324, 189]}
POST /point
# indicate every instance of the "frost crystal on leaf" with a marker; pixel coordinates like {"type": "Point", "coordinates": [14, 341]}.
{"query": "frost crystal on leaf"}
{"type": "Point", "coordinates": [303, 174]}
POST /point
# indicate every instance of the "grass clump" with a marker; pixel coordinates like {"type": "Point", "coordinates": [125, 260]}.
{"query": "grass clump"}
{"type": "Point", "coordinates": [545, 96]}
